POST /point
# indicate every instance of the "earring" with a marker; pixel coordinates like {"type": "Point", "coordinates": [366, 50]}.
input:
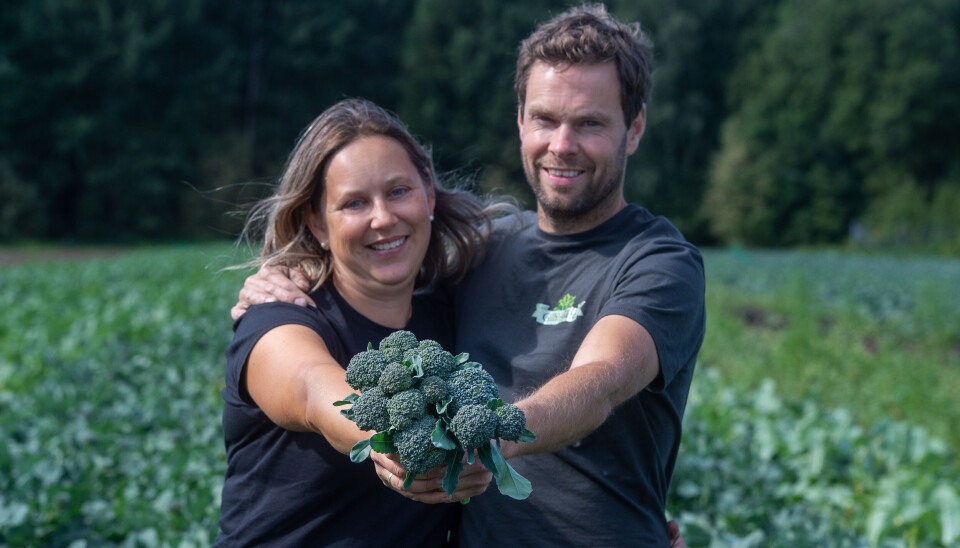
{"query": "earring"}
{"type": "Point", "coordinates": [323, 245]}
{"type": "Point", "coordinates": [431, 218]}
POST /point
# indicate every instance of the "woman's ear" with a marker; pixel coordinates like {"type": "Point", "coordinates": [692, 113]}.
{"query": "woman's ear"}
{"type": "Point", "coordinates": [318, 228]}
{"type": "Point", "coordinates": [431, 194]}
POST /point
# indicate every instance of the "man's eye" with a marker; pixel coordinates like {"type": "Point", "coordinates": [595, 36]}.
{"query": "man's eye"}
{"type": "Point", "coordinates": [399, 191]}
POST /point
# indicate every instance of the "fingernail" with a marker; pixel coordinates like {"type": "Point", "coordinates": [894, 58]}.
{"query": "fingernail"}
{"type": "Point", "coordinates": [300, 301]}
{"type": "Point", "coordinates": [270, 300]}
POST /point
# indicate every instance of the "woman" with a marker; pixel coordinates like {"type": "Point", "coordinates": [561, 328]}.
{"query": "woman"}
{"type": "Point", "coordinates": [359, 213]}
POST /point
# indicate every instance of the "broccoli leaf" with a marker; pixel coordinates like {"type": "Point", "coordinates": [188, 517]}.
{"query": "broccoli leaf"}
{"type": "Point", "coordinates": [509, 482]}
{"type": "Point", "coordinates": [348, 400]}
{"type": "Point", "coordinates": [442, 406]}
{"type": "Point", "coordinates": [527, 436]}
{"type": "Point", "coordinates": [495, 403]}
{"type": "Point", "coordinates": [470, 364]}
{"type": "Point", "coordinates": [347, 413]}
{"type": "Point", "coordinates": [441, 438]}
{"type": "Point", "coordinates": [408, 479]}
{"type": "Point", "coordinates": [462, 357]}
{"type": "Point", "coordinates": [454, 467]}
{"type": "Point", "coordinates": [360, 451]}
{"type": "Point", "coordinates": [382, 442]}
{"type": "Point", "coordinates": [369, 346]}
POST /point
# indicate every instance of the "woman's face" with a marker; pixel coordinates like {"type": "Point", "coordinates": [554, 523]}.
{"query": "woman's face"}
{"type": "Point", "coordinates": [374, 217]}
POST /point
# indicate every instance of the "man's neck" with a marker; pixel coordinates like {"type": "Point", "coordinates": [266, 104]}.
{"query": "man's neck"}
{"type": "Point", "coordinates": [581, 223]}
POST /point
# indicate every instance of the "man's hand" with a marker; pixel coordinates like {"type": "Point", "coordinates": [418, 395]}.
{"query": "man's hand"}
{"type": "Point", "coordinates": [676, 541]}
{"type": "Point", "coordinates": [270, 284]}
{"type": "Point", "coordinates": [428, 487]}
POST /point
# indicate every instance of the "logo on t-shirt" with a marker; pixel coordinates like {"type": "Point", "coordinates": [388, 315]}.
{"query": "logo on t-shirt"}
{"type": "Point", "coordinates": [566, 311]}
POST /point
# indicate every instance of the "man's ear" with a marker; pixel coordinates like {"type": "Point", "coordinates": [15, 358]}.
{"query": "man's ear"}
{"type": "Point", "coordinates": [520, 117]}
{"type": "Point", "coordinates": [635, 131]}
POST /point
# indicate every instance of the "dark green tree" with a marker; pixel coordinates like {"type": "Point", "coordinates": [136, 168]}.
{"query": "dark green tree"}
{"type": "Point", "coordinates": [841, 107]}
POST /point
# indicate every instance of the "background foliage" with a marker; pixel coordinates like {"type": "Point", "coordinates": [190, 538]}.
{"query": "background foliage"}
{"type": "Point", "coordinates": [773, 123]}
{"type": "Point", "coordinates": [111, 371]}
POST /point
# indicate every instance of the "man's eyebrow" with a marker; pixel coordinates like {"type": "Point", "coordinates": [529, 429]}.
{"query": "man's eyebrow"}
{"type": "Point", "coordinates": [578, 116]}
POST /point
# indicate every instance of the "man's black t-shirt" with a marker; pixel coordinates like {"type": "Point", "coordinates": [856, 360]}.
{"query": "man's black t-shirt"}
{"type": "Point", "coordinates": [286, 488]}
{"type": "Point", "coordinates": [524, 313]}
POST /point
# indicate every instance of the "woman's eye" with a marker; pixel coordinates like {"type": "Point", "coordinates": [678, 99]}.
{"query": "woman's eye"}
{"type": "Point", "coordinates": [353, 204]}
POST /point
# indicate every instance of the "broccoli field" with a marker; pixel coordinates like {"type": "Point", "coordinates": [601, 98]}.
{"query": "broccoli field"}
{"type": "Point", "coordinates": [822, 413]}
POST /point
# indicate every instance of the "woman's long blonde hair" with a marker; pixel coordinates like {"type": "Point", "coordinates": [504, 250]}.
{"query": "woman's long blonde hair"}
{"type": "Point", "coordinates": [461, 221]}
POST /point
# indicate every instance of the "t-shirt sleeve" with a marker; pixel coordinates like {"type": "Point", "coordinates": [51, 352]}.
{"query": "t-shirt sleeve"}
{"type": "Point", "coordinates": [661, 287]}
{"type": "Point", "coordinates": [253, 325]}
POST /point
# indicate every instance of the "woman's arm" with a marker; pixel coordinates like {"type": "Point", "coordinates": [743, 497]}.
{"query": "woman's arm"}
{"type": "Point", "coordinates": [292, 377]}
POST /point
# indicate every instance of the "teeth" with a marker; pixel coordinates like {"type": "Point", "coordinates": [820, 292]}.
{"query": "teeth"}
{"type": "Point", "coordinates": [391, 245]}
{"type": "Point", "coordinates": [562, 173]}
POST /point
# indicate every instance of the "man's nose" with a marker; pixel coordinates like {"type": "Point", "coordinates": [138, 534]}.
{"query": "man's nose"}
{"type": "Point", "coordinates": [563, 141]}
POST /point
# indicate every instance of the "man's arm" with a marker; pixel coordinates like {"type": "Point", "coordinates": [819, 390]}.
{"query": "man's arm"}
{"type": "Point", "coordinates": [616, 360]}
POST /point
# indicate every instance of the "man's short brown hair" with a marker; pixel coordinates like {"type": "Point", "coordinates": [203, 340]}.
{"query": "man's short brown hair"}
{"type": "Point", "coordinates": [588, 35]}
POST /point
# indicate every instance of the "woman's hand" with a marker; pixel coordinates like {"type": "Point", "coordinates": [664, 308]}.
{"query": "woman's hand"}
{"type": "Point", "coordinates": [428, 487]}
{"type": "Point", "coordinates": [270, 284]}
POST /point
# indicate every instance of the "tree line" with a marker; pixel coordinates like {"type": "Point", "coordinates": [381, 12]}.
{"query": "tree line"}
{"type": "Point", "coordinates": [787, 122]}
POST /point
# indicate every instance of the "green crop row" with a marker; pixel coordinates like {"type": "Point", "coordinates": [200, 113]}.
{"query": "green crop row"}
{"type": "Point", "coordinates": [111, 371]}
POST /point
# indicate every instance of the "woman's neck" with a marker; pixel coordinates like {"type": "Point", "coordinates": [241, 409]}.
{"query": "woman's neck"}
{"type": "Point", "coordinates": [389, 308]}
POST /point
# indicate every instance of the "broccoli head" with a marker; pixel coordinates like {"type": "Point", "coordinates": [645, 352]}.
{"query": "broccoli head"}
{"type": "Point", "coordinates": [364, 369]}
{"type": "Point", "coordinates": [471, 385]}
{"type": "Point", "coordinates": [395, 378]}
{"type": "Point", "coordinates": [435, 389]}
{"type": "Point", "coordinates": [396, 344]}
{"type": "Point", "coordinates": [415, 446]}
{"type": "Point", "coordinates": [510, 422]}
{"type": "Point", "coordinates": [370, 410]}
{"type": "Point", "coordinates": [435, 360]}
{"type": "Point", "coordinates": [406, 407]}
{"type": "Point", "coordinates": [474, 425]}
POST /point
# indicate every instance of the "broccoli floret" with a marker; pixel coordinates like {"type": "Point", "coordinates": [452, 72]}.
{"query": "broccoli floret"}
{"type": "Point", "coordinates": [435, 360]}
{"type": "Point", "coordinates": [435, 389]}
{"type": "Point", "coordinates": [396, 378]}
{"type": "Point", "coordinates": [510, 422]}
{"type": "Point", "coordinates": [471, 385]}
{"type": "Point", "coordinates": [406, 407]}
{"type": "Point", "coordinates": [370, 410]}
{"type": "Point", "coordinates": [474, 425]}
{"type": "Point", "coordinates": [396, 344]}
{"type": "Point", "coordinates": [415, 446]}
{"type": "Point", "coordinates": [364, 369]}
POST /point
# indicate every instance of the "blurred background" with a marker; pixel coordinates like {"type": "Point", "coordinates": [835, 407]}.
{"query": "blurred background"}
{"type": "Point", "coordinates": [808, 147]}
{"type": "Point", "coordinates": [773, 123]}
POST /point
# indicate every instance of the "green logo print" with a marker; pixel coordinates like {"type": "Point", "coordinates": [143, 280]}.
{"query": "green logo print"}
{"type": "Point", "coordinates": [566, 311]}
{"type": "Point", "coordinates": [566, 302]}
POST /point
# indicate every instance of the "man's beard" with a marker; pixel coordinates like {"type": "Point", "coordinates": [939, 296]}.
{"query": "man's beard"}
{"type": "Point", "coordinates": [587, 200]}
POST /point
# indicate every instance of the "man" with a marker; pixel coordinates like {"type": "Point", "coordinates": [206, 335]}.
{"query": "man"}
{"type": "Point", "coordinates": [589, 314]}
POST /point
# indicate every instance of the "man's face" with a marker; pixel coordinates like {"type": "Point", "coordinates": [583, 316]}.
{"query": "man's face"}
{"type": "Point", "coordinates": [575, 144]}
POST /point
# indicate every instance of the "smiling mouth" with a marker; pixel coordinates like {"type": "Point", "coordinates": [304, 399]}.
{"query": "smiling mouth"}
{"type": "Point", "coordinates": [389, 245]}
{"type": "Point", "coordinates": [566, 173]}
